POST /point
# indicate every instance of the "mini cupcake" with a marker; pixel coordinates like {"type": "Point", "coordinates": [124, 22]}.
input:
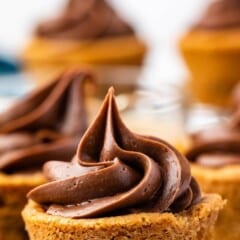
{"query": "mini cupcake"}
{"type": "Point", "coordinates": [45, 125]}
{"type": "Point", "coordinates": [215, 157]}
{"type": "Point", "coordinates": [120, 185]}
{"type": "Point", "coordinates": [88, 33]}
{"type": "Point", "coordinates": [211, 50]}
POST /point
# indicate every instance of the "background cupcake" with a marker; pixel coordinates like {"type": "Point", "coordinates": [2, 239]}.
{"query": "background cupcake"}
{"type": "Point", "coordinates": [215, 157]}
{"type": "Point", "coordinates": [211, 50]}
{"type": "Point", "coordinates": [45, 125]}
{"type": "Point", "coordinates": [88, 33]}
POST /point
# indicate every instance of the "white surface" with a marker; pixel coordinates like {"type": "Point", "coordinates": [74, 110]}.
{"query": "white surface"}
{"type": "Point", "coordinates": [5, 103]}
{"type": "Point", "coordinates": [159, 22]}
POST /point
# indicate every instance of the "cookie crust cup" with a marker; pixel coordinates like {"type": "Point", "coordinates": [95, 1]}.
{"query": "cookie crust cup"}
{"type": "Point", "coordinates": [224, 181]}
{"type": "Point", "coordinates": [13, 190]}
{"type": "Point", "coordinates": [108, 50]}
{"type": "Point", "coordinates": [212, 58]}
{"type": "Point", "coordinates": [108, 57]}
{"type": "Point", "coordinates": [194, 223]}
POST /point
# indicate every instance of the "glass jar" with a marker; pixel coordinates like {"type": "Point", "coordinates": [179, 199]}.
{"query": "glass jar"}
{"type": "Point", "coordinates": [156, 112]}
{"type": "Point", "coordinates": [202, 116]}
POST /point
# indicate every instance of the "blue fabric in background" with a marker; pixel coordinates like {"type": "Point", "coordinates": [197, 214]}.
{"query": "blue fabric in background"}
{"type": "Point", "coordinates": [8, 66]}
{"type": "Point", "coordinates": [13, 82]}
{"type": "Point", "coordinates": [13, 87]}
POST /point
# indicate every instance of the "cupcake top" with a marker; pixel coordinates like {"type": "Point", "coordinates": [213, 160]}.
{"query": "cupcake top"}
{"type": "Point", "coordinates": [221, 14]}
{"type": "Point", "coordinates": [84, 20]}
{"type": "Point", "coordinates": [45, 125]}
{"type": "Point", "coordinates": [116, 171]}
{"type": "Point", "coordinates": [217, 146]}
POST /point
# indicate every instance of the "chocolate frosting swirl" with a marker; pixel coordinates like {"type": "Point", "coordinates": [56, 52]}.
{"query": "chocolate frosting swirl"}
{"type": "Point", "coordinates": [45, 125]}
{"type": "Point", "coordinates": [221, 14]}
{"type": "Point", "coordinates": [116, 170]}
{"type": "Point", "coordinates": [85, 20]}
{"type": "Point", "coordinates": [217, 146]}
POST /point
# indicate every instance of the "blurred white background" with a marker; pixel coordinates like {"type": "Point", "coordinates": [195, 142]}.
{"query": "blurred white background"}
{"type": "Point", "coordinates": [160, 23]}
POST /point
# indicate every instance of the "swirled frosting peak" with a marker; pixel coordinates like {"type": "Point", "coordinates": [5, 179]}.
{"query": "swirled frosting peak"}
{"type": "Point", "coordinates": [117, 171]}
{"type": "Point", "coordinates": [83, 19]}
{"type": "Point", "coordinates": [221, 14]}
{"type": "Point", "coordinates": [45, 125]}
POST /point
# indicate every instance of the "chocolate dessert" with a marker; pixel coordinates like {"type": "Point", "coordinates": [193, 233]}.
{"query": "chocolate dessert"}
{"type": "Point", "coordinates": [45, 125]}
{"type": "Point", "coordinates": [120, 185]}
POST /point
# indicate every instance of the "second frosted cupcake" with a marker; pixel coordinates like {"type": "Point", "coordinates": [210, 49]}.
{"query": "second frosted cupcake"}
{"type": "Point", "coordinates": [88, 33]}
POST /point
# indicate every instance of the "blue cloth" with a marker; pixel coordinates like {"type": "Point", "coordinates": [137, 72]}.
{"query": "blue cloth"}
{"type": "Point", "coordinates": [15, 85]}
{"type": "Point", "coordinates": [8, 66]}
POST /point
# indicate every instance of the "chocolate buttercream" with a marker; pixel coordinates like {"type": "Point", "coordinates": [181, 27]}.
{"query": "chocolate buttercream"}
{"type": "Point", "coordinates": [221, 14]}
{"type": "Point", "coordinates": [45, 125]}
{"type": "Point", "coordinates": [116, 170]}
{"type": "Point", "coordinates": [235, 97]}
{"type": "Point", "coordinates": [217, 146]}
{"type": "Point", "coordinates": [85, 20]}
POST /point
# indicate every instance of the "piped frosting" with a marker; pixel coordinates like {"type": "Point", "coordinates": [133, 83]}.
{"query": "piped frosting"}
{"type": "Point", "coordinates": [116, 171]}
{"type": "Point", "coordinates": [85, 20]}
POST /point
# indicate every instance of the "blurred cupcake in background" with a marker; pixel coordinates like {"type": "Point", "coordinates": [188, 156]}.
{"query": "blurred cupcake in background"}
{"type": "Point", "coordinates": [215, 157]}
{"type": "Point", "coordinates": [211, 50]}
{"type": "Point", "coordinates": [87, 33]}
{"type": "Point", "coordinates": [45, 125]}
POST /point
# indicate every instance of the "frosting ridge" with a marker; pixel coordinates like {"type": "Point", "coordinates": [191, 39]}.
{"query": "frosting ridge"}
{"type": "Point", "coordinates": [116, 170]}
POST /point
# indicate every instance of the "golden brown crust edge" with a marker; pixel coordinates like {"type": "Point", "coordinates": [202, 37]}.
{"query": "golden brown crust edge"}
{"type": "Point", "coordinates": [226, 182]}
{"type": "Point", "coordinates": [11, 224]}
{"type": "Point", "coordinates": [14, 187]}
{"type": "Point", "coordinates": [196, 224]}
{"type": "Point", "coordinates": [214, 41]}
{"type": "Point", "coordinates": [129, 50]}
{"type": "Point", "coordinates": [13, 190]}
